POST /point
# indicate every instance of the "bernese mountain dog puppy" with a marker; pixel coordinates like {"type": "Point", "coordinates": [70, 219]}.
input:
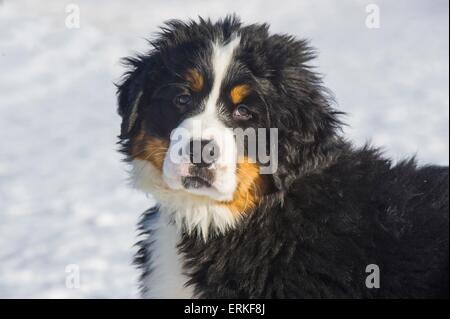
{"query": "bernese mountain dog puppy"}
{"type": "Point", "coordinates": [330, 220]}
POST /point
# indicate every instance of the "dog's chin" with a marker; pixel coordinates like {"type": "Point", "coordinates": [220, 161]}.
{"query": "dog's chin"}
{"type": "Point", "coordinates": [210, 192]}
{"type": "Point", "coordinates": [199, 187]}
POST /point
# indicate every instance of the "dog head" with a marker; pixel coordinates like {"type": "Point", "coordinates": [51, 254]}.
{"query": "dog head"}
{"type": "Point", "coordinates": [182, 103]}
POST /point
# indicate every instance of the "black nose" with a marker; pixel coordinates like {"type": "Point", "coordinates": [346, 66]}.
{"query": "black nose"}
{"type": "Point", "coordinates": [203, 153]}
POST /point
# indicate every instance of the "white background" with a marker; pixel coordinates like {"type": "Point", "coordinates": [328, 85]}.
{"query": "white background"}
{"type": "Point", "coordinates": [64, 198]}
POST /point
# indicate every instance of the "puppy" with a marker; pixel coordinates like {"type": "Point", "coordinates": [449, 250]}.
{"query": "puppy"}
{"type": "Point", "coordinates": [326, 220]}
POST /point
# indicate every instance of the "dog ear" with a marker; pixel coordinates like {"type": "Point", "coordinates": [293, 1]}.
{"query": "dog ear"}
{"type": "Point", "coordinates": [302, 111]}
{"type": "Point", "coordinates": [130, 91]}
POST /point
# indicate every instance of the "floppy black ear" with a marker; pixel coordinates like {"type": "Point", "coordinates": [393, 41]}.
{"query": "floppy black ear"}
{"type": "Point", "coordinates": [307, 124]}
{"type": "Point", "coordinates": [130, 92]}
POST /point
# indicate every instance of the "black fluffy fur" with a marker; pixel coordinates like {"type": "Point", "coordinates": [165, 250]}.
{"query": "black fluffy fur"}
{"type": "Point", "coordinates": [317, 242]}
{"type": "Point", "coordinates": [333, 209]}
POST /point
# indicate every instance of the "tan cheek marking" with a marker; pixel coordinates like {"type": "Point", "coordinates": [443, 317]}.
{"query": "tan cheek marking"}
{"type": "Point", "coordinates": [195, 79]}
{"type": "Point", "coordinates": [149, 148]}
{"type": "Point", "coordinates": [249, 189]}
{"type": "Point", "coordinates": [239, 93]}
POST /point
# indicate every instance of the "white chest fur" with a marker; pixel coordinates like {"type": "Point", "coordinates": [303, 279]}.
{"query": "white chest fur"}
{"type": "Point", "coordinates": [166, 279]}
{"type": "Point", "coordinates": [189, 212]}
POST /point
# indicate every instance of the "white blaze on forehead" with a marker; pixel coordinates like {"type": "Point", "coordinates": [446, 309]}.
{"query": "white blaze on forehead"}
{"type": "Point", "coordinates": [221, 59]}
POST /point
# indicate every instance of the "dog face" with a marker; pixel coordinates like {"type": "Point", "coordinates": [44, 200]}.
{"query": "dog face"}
{"type": "Point", "coordinates": [181, 103]}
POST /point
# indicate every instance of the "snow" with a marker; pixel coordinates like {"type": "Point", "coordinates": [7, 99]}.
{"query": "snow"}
{"type": "Point", "coordinates": [64, 197]}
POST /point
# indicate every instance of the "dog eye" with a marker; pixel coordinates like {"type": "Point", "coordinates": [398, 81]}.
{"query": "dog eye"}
{"type": "Point", "coordinates": [242, 113]}
{"type": "Point", "coordinates": [183, 100]}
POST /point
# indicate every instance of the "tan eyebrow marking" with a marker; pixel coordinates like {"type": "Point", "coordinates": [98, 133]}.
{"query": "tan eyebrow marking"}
{"type": "Point", "coordinates": [195, 80]}
{"type": "Point", "coordinates": [239, 92]}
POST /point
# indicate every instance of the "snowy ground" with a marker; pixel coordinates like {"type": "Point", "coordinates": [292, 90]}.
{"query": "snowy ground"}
{"type": "Point", "coordinates": [63, 193]}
